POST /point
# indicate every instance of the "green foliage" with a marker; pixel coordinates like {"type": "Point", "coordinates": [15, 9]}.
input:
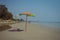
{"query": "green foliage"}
{"type": "Point", "coordinates": [4, 13]}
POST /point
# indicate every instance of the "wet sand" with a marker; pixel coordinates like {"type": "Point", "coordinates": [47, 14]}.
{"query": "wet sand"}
{"type": "Point", "coordinates": [34, 32]}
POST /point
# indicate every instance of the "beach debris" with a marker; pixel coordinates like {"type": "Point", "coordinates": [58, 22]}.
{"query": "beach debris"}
{"type": "Point", "coordinates": [4, 27]}
{"type": "Point", "coordinates": [15, 30]}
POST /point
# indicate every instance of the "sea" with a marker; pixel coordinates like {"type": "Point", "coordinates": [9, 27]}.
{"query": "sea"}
{"type": "Point", "coordinates": [49, 24]}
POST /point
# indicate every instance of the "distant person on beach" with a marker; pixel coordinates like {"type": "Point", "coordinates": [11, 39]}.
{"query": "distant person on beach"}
{"type": "Point", "coordinates": [29, 21]}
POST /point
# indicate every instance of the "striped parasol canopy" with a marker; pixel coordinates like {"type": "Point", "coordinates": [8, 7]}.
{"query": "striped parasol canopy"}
{"type": "Point", "coordinates": [27, 14]}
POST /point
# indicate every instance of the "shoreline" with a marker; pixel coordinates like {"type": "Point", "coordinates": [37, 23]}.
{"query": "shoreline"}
{"type": "Point", "coordinates": [34, 32]}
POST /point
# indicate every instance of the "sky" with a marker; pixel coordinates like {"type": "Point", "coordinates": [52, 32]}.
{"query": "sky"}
{"type": "Point", "coordinates": [44, 10]}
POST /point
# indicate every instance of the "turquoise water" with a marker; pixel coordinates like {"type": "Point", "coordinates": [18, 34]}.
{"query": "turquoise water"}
{"type": "Point", "coordinates": [49, 24]}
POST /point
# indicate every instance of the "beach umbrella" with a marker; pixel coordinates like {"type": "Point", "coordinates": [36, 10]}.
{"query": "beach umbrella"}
{"type": "Point", "coordinates": [27, 15]}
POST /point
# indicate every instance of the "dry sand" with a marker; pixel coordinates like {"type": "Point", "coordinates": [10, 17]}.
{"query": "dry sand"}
{"type": "Point", "coordinates": [34, 32]}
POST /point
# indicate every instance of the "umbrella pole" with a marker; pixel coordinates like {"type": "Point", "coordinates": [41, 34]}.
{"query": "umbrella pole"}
{"type": "Point", "coordinates": [26, 24]}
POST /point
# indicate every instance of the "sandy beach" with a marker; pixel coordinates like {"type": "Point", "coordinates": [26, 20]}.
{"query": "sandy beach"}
{"type": "Point", "coordinates": [34, 32]}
